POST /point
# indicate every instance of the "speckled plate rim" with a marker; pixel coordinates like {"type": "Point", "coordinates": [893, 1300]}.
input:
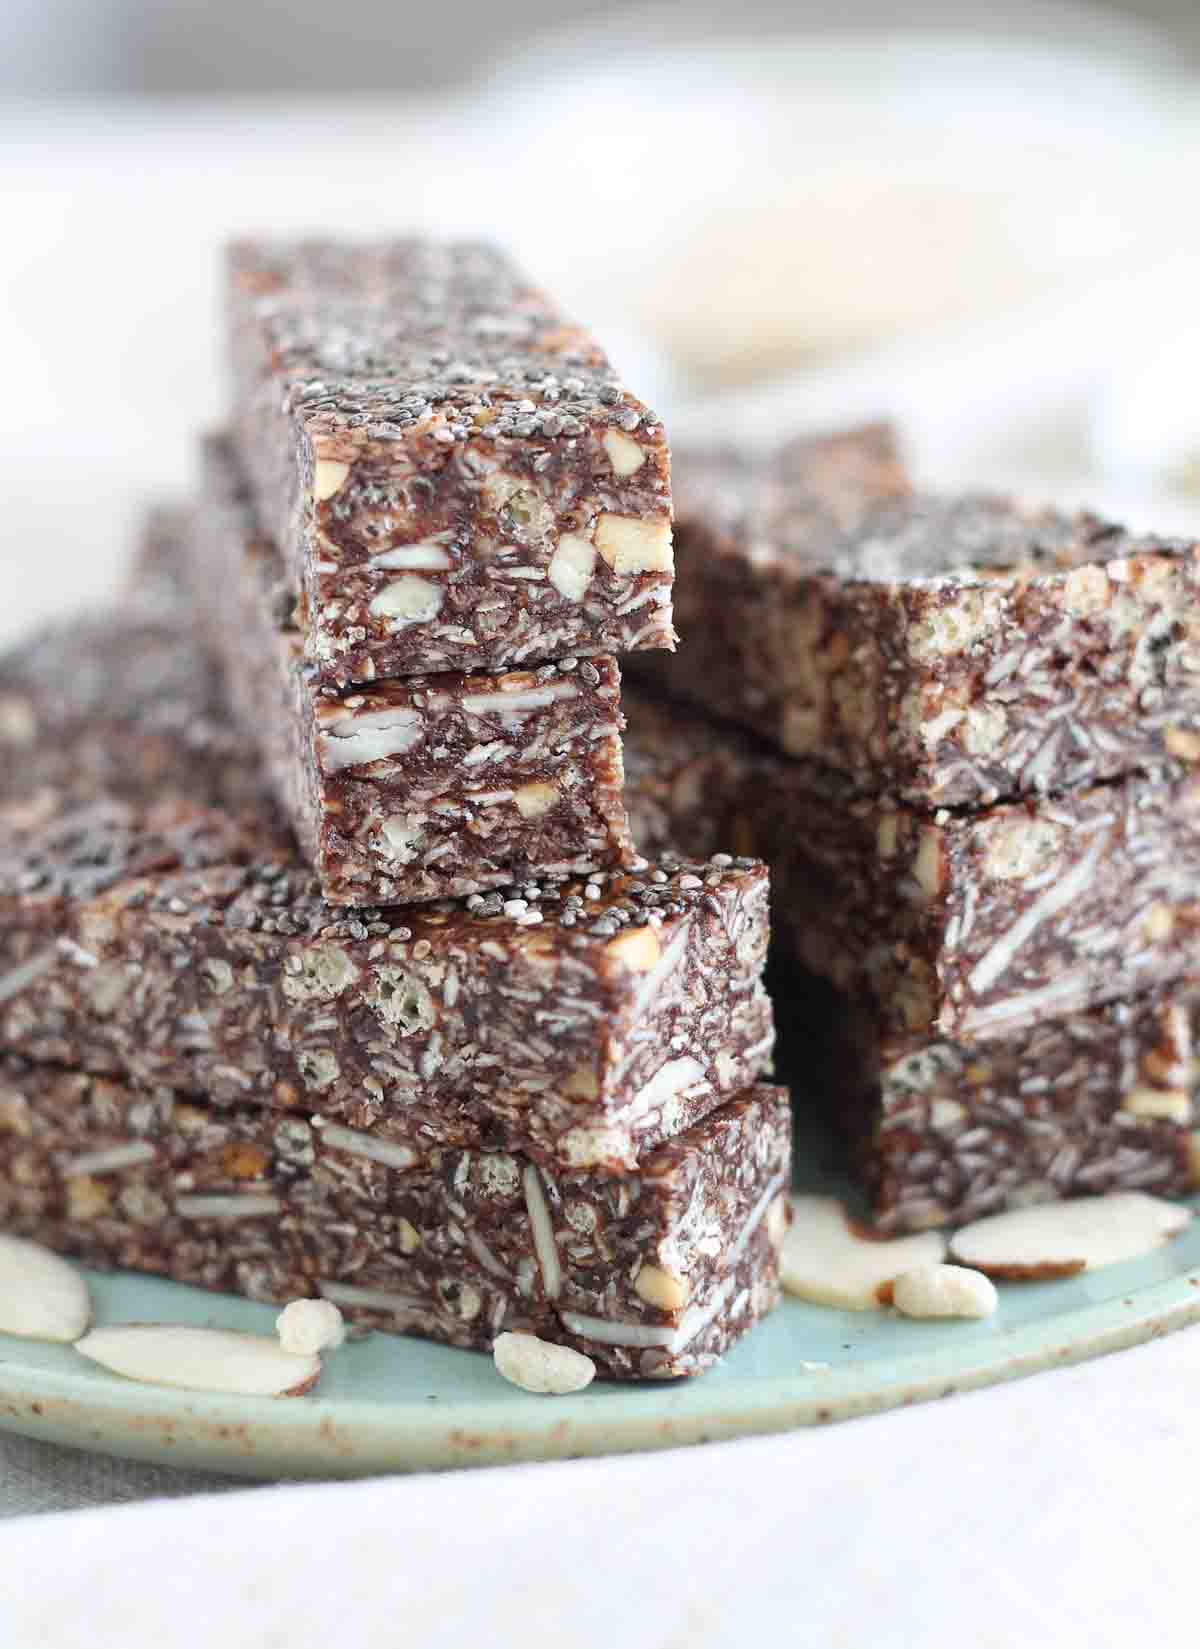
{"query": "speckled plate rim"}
{"type": "Point", "coordinates": [341, 1435]}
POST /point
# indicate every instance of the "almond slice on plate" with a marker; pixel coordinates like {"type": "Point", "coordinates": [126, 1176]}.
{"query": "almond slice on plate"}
{"type": "Point", "coordinates": [1059, 1239]}
{"type": "Point", "coordinates": [201, 1359]}
{"type": "Point", "coordinates": [831, 1261]}
{"type": "Point", "coordinates": [41, 1296]}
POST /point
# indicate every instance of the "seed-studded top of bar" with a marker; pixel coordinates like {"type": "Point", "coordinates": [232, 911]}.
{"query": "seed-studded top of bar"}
{"type": "Point", "coordinates": [184, 861]}
{"type": "Point", "coordinates": [806, 498]}
{"type": "Point", "coordinates": [125, 705]}
{"type": "Point", "coordinates": [947, 650]}
{"type": "Point", "coordinates": [566, 911]}
{"type": "Point", "coordinates": [836, 516]}
{"type": "Point", "coordinates": [386, 336]}
{"type": "Point", "coordinates": [51, 850]}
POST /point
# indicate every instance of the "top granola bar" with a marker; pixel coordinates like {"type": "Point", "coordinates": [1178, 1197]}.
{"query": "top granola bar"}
{"type": "Point", "coordinates": [943, 650]}
{"type": "Point", "coordinates": [455, 473]}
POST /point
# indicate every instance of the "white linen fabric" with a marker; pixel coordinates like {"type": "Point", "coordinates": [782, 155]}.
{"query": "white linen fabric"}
{"type": "Point", "coordinates": [1061, 1509]}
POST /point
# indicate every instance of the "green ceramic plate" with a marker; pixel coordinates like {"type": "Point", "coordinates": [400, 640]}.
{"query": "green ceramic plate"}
{"type": "Point", "coordinates": [389, 1404]}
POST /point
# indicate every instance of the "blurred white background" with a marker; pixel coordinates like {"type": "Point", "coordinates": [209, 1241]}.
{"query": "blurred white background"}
{"type": "Point", "coordinates": [977, 217]}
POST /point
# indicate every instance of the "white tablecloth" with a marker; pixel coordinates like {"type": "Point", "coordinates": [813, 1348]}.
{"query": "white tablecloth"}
{"type": "Point", "coordinates": [1060, 1510]}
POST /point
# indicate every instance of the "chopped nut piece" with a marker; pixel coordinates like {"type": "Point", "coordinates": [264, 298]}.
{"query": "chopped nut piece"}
{"type": "Point", "coordinates": [1018, 848]}
{"type": "Point", "coordinates": [1159, 922]}
{"type": "Point", "coordinates": [535, 799]}
{"type": "Point", "coordinates": [583, 1083]}
{"type": "Point", "coordinates": [638, 949]}
{"type": "Point", "coordinates": [1183, 742]}
{"type": "Point", "coordinates": [571, 566]}
{"type": "Point", "coordinates": [944, 1291]}
{"type": "Point", "coordinates": [626, 456]}
{"type": "Point", "coordinates": [243, 1162]}
{"type": "Point", "coordinates": [306, 1327]}
{"type": "Point", "coordinates": [1086, 591]}
{"type": "Point", "coordinates": [87, 1198]}
{"type": "Point", "coordinates": [1175, 1104]}
{"type": "Point", "coordinates": [631, 545]}
{"type": "Point", "coordinates": [661, 1288]}
{"type": "Point", "coordinates": [329, 477]}
{"type": "Point", "coordinates": [408, 600]}
{"type": "Point", "coordinates": [536, 1365]}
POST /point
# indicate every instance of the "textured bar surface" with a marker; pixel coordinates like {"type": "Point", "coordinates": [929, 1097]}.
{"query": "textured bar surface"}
{"type": "Point", "coordinates": [941, 1132]}
{"type": "Point", "coordinates": [414, 789]}
{"type": "Point", "coordinates": [126, 706]}
{"type": "Point", "coordinates": [653, 1274]}
{"type": "Point", "coordinates": [947, 651]}
{"type": "Point", "coordinates": [455, 475]}
{"type": "Point", "coordinates": [969, 923]}
{"type": "Point", "coordinates": [584, 1019]}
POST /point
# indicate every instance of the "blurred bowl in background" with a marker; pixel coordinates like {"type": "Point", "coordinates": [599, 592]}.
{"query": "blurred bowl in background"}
{"type": "Point", "coordinates": [767, 202]}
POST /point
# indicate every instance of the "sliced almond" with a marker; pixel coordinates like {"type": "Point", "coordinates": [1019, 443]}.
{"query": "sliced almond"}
{"type": "Point", "coordinates": [539, 1366]}
{"type": "Point", "coordinates": [827, 1260]}
{"type": "Point", "coordinates": [41, 1296]}
{"type": "Point", "coordinates": [944, 1291]}
{"type": "Point", "coordinates": [201, 1359]}
{"type": "Point", "coordinates": [1058, 1239]}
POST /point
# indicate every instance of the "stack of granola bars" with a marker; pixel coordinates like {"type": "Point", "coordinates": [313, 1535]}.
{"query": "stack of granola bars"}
{"type": "Point", "coordinates": [326, 962]}
{"type": "Point", "coordinates": [965, 737]}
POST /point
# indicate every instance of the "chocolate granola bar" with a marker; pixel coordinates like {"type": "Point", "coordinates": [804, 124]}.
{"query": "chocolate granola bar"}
{"type": "Point", "coordinates": [654, 1274]}
{"type": "Point", "coordinates": [414, 789]}
{"type": "Point", "coordinates": [584, 1019]}
{"type": "Point", "coordinates": [945, 651]}
{"type": "Point", "coordinates": [967, 923]}
{"type": "Point", "coordinates": [126, 706]}
{"type": "Point", "coordinates": [456, 476]}
{"type": "Point", "coordinates": [943, 1131]}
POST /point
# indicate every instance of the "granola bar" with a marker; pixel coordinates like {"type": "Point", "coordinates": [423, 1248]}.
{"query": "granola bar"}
{"type": "Point", "coordinates": [945, 651]}
{"type": "Point", "coordinates": [124, 705]}
{"type": "Point", "coordinates": [414, 789]}
{"type": "Point", "coordinates": [455, 475]}
{"type": "Point", "coordinates": [584, 1019]}
{"type": "Point", "coordinates": [653, 1274]}
{"type": "Point", "coordinates": [943, 1131]}
{"type": "Point", "coordinates": [967, 923]}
